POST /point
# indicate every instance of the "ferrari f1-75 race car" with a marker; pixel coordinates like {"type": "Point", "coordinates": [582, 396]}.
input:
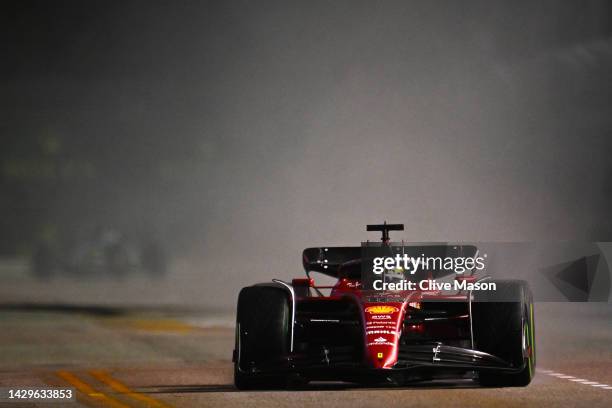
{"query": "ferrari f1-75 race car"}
{"type": "Point", "coordinates": [290, 333]}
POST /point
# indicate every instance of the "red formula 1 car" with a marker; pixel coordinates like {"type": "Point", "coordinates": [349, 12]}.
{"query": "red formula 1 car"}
{"type": "Point", "coordinates": [293, 333]}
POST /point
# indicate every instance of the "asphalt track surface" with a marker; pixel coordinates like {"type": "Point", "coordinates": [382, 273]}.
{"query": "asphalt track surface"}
{"type": "Point", "coordinates": [122, 358]}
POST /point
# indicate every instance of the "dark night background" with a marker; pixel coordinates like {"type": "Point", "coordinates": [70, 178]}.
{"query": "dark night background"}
{"type": "Point", "coordinates": [244, 131]}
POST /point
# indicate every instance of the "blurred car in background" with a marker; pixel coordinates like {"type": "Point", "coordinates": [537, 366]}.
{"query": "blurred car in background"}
{"type": "Point", "coordinates": [106, 251]}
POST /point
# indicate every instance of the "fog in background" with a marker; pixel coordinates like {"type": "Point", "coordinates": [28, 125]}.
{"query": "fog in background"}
{"type": "Point", "coordinates": [238, 133]}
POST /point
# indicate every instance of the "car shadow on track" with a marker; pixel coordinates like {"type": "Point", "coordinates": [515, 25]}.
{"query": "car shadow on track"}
{"type": "Point", "coordinates": [323, 386]}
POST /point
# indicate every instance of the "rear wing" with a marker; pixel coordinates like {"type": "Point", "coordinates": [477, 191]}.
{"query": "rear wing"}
{"type": "Point", "coordinates": [346, 261]}
{"type": "Point", "coordinates": [327, 260]}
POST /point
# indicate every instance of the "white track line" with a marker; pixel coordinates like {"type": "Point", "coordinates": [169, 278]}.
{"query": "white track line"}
{"type": "Point", "coordinates": [576, 380]}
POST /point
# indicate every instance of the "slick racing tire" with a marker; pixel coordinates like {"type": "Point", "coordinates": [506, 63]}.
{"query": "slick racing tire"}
{"type": "Point", "coordinates": [262, 336]}
{"type": "Point", "coordinates": [504, 326]}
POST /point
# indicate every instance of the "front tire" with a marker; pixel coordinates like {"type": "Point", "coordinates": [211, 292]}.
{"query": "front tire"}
{"type": "Point", "coordinates": [504, 326]}
{"type": "Point", "coordinates": [262, 336]}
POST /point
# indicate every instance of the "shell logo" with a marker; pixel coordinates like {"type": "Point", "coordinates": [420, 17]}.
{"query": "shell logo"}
{"type": "Point", "coordinates": [381, 309]}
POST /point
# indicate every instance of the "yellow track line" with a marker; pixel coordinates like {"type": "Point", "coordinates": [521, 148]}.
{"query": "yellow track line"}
{"type": "Point", "coordinates": [90, 391]}
{"type": "Point", "coordinates": [124, 389]}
